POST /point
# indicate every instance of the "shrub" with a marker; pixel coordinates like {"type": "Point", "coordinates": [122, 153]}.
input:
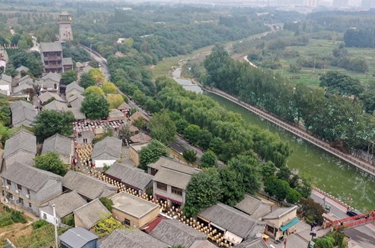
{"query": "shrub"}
{"type": "Point", "coordinates": [68, 220]}
{"type": "Point", "coordinates": [18, 217]}
{"type": "Point", "coordinates": [39, 223]}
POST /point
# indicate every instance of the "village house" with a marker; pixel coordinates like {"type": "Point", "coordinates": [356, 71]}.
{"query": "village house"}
{"type": "Point", "coordinates": [21, 148]}
{"type": "Point", "coordinates": [55, 105]}
{"type": "Point", "coordinates": [131, 239]}
{"type": "Point", "coordinates": [75, 100]}
{"type": "Point", "coordinates": [106, 152]}
{"type": "Point", "coordinates": [79, 237]}
{"type": "Point", "coordinates": [171, 179]}
{"type": "Point", "coordinates": [86, 186]}
{"type": "Point", "coordinates": [140, 138]}
{"type": "Point", "coordinates": [131, 176]}
{"type": "Point", "coordinates": [51, 53]}
{"type": "Point", "coordinates": [61, 145]}
{"type": "Point", "coordinates": [133, 211]}
{"type": "Point", "coordinates": [74, 89]}
{"type": "Point", "coordinates": [256, 243]}
{"type": "Point", "coordinates": [281, 222]}
{"type": "Point", "coordinates": [173, 232]}
{"type": "Point", "coordinates": [23, 113]}
{"type": "Point", "coordinates": [23, 91]}
{"type": "Point", "coordinates": [90, 214]}
{"type": "Point", "coordinates": [67, 64]}
{"type": "Point", "coordinates": [47, 96]}
{"type": "Point", "coordinates": [65, 204]}
{"type": "Point", "coordinates": [138, 115]}
{"type": "Point", "coordinates": [253, 206]}
{"type": "Point", "coordinates": [124, 108]}
{"type": "Point", "coordinates": [134, 150]}
{"type": "Point", "coordinates": [49, 82]}
{"type": "Point", "coordinates": [6, 84]}
{"type": "Point", "coordinates": [30, 187]}
{"type": "Point", "coordinates": [115, 115]}
{"type": "Point", "coordinates": [236, 225]}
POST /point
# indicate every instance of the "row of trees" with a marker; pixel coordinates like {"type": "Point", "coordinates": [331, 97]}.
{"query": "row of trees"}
{"type": "Point", "coordinates": [328, 116]}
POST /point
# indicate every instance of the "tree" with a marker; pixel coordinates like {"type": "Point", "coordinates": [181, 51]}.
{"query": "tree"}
{"type": "Point", "coordinates": [267, 169]}
{"type": "Point", "coordinates": [108, 203]}
{"type": "Point", "coordinates": [312, 209]}
{"type": "Point", "coordinates": [181, 124]}
{"type": "Point", "coordinates": [114, 100]}
{"type": "Point", "coordinates": [208, 159]}
{"type": "Point", "coordinates": [203, 191]}
{"type": "Point", "coordinates": [339, 83]}
{"type": "Point", "coordinates": [190, 155]}
{"type": "Point", "coordinates": [293, 196]}
{"type": "Point", "coordinates": [284, 173]}
{"type": "Point", "coordinates": [106, 226]}
{"type": "Point", "coordinates": [232, 187]}
{"type": "Point", "coordinates": [50, 122]}
{"type": "Point", "coordinates": [247, 165]}
{"type": "Point", "coordinates": [68, 77]}
{"type": "Point", "coordinates": [151, 153]}
{"type": "Point", "coordinates": [93, 90]}
{"type": "Point", "coordinates": [86, 80]}
{"type": "Point", "coordinates": [205, 138]}
{"type": "Point", "coordinates": [97, 75]}
{"type": "Point", "coordinates": [140, 123]}
{"type": "Point", "coordinates": [368, 99]}
{"type": "Point", "coordinates": [124, 133]}
{"type": "Point", "coordinates": [51, 162]}
{"type": "Point", "coordinates": [276, 187]}
{"type": "Point", "coordinates": [162, 127]}
{"type": "Point", "coordinates": [109, 88]}
{"type": "Point", "coordinates": [95, 107]}
{"type": "Point", "coordinates": [191, 133]}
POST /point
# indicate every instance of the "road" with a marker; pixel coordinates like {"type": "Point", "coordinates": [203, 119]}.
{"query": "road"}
{"type": "Point", "coordinates": [179, 145]}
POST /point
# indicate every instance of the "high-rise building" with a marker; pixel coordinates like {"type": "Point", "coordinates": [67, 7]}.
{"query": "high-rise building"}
{"type": "Point", "coordinates": [310, 3]}
{"type": "Point", "coordinates": [368, 3]}
{"type": "Point", "coordinates": [65, 28]}
{"type": "Point", "coordinates": [340, 3]}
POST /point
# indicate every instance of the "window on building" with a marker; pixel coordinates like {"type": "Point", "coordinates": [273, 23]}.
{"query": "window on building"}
{"type": "Point", "coordinates": [29, 205]}
{"type": "Point", "coordinates": [44, 216]}
{"type": "Point", "coordinates": [10, 196]}
{"type": "Point", "coordinates": [20, 200]}
{"type": "Point", "coordinates": [28, 191]}
{"type": "Point", "coordinates": [9, 182]}
{"type": "Point", "coordinates": [270, 229]}
{"type": "Point", "coordinates": [127, 222]}
{"type": "Point", "coordinates": [176, 191]}
{"type": "Point", "coordinates": [161, 186]}
{"type": "Point", "coordinates": [19, 187]}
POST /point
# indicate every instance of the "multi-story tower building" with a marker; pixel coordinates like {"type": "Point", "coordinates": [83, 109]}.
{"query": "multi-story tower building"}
{"type": "Point", "coordinates": [65, 28]}
{"type": "Point", "coordinates": [51, 56]}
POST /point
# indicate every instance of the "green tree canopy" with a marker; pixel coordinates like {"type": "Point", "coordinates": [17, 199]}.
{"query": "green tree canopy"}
{"type": "Point", "coordinates": [51, 162]}
{"type": "Point", "coordinates": [95, 107]}
{"type": "Point", "coordinates": [191, 133]}
{"type": "Point", "coordinates": [312, 209]}
{"type": "Point", "coordinates": [190, 155]}
{"type": "Point", "coordinates": [108, 203]}
{"type": "Point", "coordinates": [114, 100]}
{"type": "Point", "coordinates": [86, 80]}
{"type": "Point", "coordinates": [94, 90]}
{"type": "Point", "coordinates": [151, 153]}
{"type": "Point", "coordinates": [109, 88]}
{"type": "Point", "coordinates": [68, 77]}
{"type": "Point", "coordinates": [276, 187]}
{"type": "Point", "coordinates": [232, 187]}
{"type": "Point", "coordinates": [162, 127]}
{"type": "Point", "coordinates": [203, 191]}
{"type": "Point", "coordinates": [106, 226]}
{"type": "Point", "coordinates": [339, 83]}
{"type": "Point", "coordinates": [50, 122]}
{"type": "Point", "coordinates": [208, 159]}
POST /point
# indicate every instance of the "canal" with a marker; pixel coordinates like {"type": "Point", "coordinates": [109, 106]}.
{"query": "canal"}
{"type": "Point", "coordinates": [327, 172]}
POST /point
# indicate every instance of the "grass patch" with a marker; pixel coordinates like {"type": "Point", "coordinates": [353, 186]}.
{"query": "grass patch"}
{"type": "Point", "coordinates": [163, 68]}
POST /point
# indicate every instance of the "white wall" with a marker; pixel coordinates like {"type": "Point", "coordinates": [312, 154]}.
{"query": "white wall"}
{"type": "Point", "coordinates": [5, 88]}
{"type": "Point", "coordinates": [49, 217]}
{"type": "Point", "coordinates": [100, 163]}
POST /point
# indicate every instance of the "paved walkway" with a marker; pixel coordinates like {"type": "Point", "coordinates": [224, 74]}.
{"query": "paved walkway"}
{"type": "Point", "coordinates": [363, 165]}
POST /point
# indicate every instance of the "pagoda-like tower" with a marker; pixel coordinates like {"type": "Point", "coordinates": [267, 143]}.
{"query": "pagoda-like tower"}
{"type": "Point", "coordinates": [65, 28]}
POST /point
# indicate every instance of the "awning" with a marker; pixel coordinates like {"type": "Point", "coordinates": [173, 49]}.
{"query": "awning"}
{"type": "Point", "coordinates": [232, 237]}
{"type": "Point", "coordinates": [265, 236]}
{"type": "Point", "coordinates": [290, 224]}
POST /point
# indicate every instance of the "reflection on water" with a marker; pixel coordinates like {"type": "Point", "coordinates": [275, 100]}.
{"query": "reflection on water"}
{"type": "Point", "coordinates": [186, 83]}
{"type": "Point", "coordinates": [326, 171]}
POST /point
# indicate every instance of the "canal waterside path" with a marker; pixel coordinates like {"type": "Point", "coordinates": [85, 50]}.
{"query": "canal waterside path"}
{"type": "Point", "coordinates": [363, 165]}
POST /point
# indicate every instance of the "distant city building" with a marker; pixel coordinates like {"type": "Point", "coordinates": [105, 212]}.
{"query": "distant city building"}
{"type": "Point", "coordinates": [340, 3]}
{"type": "Point", "coordinates": [65, 28]}
{"type": "Point", "coordinates": [310, 3]}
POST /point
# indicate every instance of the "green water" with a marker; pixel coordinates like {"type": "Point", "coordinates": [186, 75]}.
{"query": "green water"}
{"type": "Point", "coordinates": [327, 172]}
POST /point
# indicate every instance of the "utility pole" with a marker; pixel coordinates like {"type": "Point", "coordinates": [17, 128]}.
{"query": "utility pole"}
{"type": "Point", "coordinates": [90, 50]}
{"type": "Point", "coordinates": [55, 224]}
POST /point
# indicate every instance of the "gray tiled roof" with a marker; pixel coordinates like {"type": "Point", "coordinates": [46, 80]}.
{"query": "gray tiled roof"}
{"type": "Point", "coordinates": [124, 106]}
{"type": "Point", "coordinates": [257, 243]}
{"type": "Point", "coordinates": [58, 143]}
{"type": "Point", "coordinates": [107, 149]}
{"type": "Point", "coordinates": [279, 213]}
{"type": "Point", "coordinates": [115, 113]}
{"type": "Point", "coordinates": [74, 85]}
{"type": "Point", "coordinates": [5, 79]}
{"type": "Point", "coordinates": [22, 140]}
{"type": "Point", "coordinates": [65, 204]}
{"type": "Point", "coordinates": [54, 76]}
{"type": "Point", "coordinates": [91, 213]}
{"type": "Point", "coordinates": [130, 175]}
{"type": "Point", "coordinates": [67, 61]}
{"type": "Point", "coordinates": [50, 47]}
{"type": "Point", "coordinates": [173, 232]}
{"type": "Point", "coordinates": [88, 186]}
{"type": "Point", "coordinates": [55, 105]}
{"type": "Point", "coordinates": [48, 95]}
{"type": "Point", "coordinates": [28, 176]}
{"type": "Point", "coordinates": [22, 68]}
{"type": "Point", "coordinates": [232, 220]}
{"type": "Point", "coordinates": [77, 237]}
{"type": "Point", "coordinates": [26, 80]}
{"type": "Point", "coordinates": [132, 205]}
{"type": "Point", "coordinates": [137, 115]}
{"type": "Point", "coordinates": [254, 206]}
{"type": "Point", "coordinates": [21, 88]}
{"type": "Point", "coordinates": [23, 113]}
{"type": "Point", "coordinates": [78, 115]}
{"type": "Point", "coordinates": [173, 173]}
{"type": "Point", "coordinates": [76, 100]}
{"type": "Point", "coordinates": [131, 238]}
{"type": "Point", "coordinates": [140, 138]}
